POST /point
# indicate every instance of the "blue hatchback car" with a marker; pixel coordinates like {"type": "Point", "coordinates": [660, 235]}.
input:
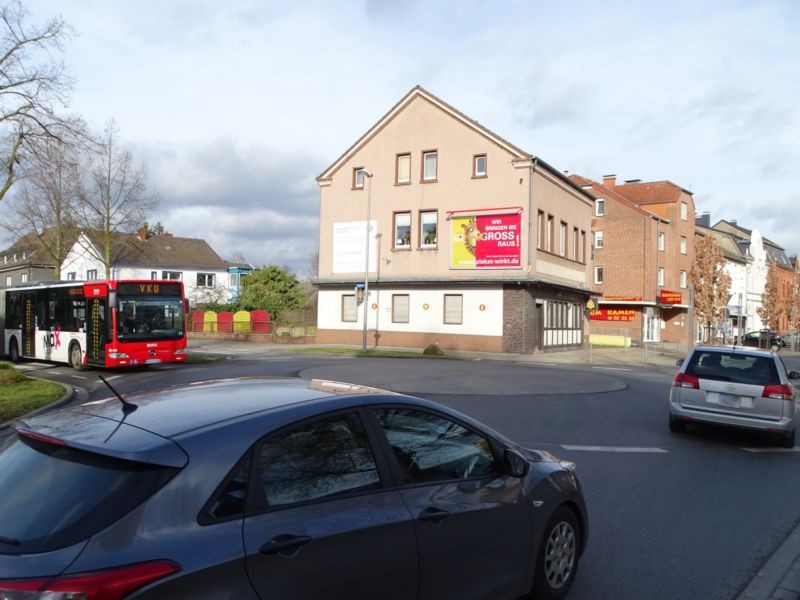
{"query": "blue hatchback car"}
{"type": "Point", "coordinates": [281, 490]}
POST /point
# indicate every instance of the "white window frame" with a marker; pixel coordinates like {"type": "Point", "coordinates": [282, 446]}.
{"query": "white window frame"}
{"type": "Point", "coordinates": [349, 308]}
{"type": "Point", "coordinates": [358, 178]}
{"type": "Point", "coordinates": [426, 176]}
{"type": "Point", "coordinates": [208, 280]}
{"type": "Point", "coordinates": [598, 239]}
{"type": "Point", "coordinates": [661, 240]}
{"type": "Point", "coordinates": [684, 211]}
{"type": "Point", "coordinates": [660, 275]}
{"type": "Point", "coordinates": [153, 274]}
{"type": "Point", "coordinates": [399, 243]}
{"type": "Point", "coordinates": [168, 275]}
{"type": "Point", "coordinates": [683, 245]}
{"type": "Point", "coordinates": [683, 279]}
{"type": "Point", "coordinates": [401, 307]}
{"type": "Point", "coordinates": [9, 280]}
{"type": "Point", "coordinates": [599, 207]}
{"type": "Point", "coordinates": [562, 240]}
{"type": "Point", "coordinates": [402, 179]}
{"type": "Point", "coordinates": [598, 274]}
{"type": "Point", "coordinates": [428, 217]}
{"type": "Point", "coordinates": [453, 309]}
{"type": "Point", "coordinates": [476, 170]}
{"type": "Point", "coordinates": [91, 275]}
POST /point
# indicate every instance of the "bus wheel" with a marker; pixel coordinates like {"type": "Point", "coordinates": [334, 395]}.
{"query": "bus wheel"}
{"type": "Point", "coordinates": [75, 357]}
{"type": "Point", "coordinates": [13, 351]}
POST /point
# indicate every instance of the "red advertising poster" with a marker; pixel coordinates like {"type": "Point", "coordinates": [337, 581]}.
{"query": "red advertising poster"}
{"type": "Point", "coordinates": [667, 297]}
{"type": "Point", "coordinates": [486, 242]}
{"type": "Point", "coordinates": [613, 314]}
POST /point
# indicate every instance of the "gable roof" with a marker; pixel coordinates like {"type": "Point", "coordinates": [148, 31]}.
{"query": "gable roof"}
{"type": "Point", "coordinates": [31, 250]}
{"type": "Point", "coordinates": [726, 243]}
{"type": "Point", "coordinates": [742, 235]}
{"type": "Point", "coordinates": [418, 92]}
{"type": "Point", "coordinates": [651, 192]}
{"type": "Point", "coordinates": [610, 193]}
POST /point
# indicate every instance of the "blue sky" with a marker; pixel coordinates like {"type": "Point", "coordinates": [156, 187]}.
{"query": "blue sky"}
{"type": "Point", "coordinates": [235, 107]}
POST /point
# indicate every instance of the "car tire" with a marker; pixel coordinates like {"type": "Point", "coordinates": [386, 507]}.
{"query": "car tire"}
{"type": "Point", "coordinates": [558, 556]}
{"type": "Point", "coordinates": [13, 351]}
{"type": "Point", "coordinates": [785, 440]}
{"type": "Point", "coordinates": [76, 357]}
{"type": "Point", "coordinates": [676, 425]}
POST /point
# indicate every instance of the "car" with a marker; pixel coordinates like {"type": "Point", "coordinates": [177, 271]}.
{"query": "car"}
{"type": "Point", "coordinates": [281, 489]}
{"type": "Point", "coordinates": [735, 386]}
{"type": "Point", "coordinates": [763, 339]}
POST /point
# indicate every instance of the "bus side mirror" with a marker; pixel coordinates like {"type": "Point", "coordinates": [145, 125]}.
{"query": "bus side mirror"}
{"type": "Point", "coordinates": [112, 298]}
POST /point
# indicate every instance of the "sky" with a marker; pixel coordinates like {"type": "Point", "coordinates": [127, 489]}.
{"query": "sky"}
{"type": "Point", "coordinates": [234, 108]}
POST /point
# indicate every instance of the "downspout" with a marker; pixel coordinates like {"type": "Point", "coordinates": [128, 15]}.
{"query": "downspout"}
{"type": "Point", "coordinates": [531, 224]}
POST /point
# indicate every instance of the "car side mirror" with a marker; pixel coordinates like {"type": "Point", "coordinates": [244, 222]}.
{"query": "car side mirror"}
{"type": "Point", "coordinates": [794, 374]}
{"type": "Point", "coordinates": [679, 362]}
{"type": "Point", "coordinates": [515, 465]}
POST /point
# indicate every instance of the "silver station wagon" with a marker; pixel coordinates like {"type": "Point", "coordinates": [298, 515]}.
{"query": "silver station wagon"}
{"type": "Point", "coordinates": [735, 386]}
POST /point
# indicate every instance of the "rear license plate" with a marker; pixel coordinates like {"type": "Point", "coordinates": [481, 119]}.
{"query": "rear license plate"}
{"type": "Point", "coordinates": [730, 401]}
{"type": "Point", "coordinates": [152, 361]}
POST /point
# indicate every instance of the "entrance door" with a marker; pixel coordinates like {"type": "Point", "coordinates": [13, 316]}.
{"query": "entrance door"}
{"type": "Point", "coordinates": [652, 328]}
{"type": "Point", "coordinates": [538, 327]}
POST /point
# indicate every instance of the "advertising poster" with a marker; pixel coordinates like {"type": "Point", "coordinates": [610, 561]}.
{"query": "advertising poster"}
{"type": "Point", "coordinates": [349, 246]}
{"type": "Point", "coordinates": [486, 242]}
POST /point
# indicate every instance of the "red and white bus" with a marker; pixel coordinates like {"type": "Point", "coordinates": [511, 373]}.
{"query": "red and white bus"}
{"type": "Point", "coordinates": [95, 323]}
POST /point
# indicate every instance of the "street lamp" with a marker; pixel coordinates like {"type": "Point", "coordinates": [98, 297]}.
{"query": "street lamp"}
{"type": "Point", "coordinates": [368, 175]}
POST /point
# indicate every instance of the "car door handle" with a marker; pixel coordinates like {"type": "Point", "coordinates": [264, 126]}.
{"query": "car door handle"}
{"type": "Point", "coordinates": [286, 544]}
{"type": "Point", "coordinates": [433, 515]}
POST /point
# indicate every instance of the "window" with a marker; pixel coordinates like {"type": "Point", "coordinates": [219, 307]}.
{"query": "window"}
{"type": "Point", "coordinates": [550, 233]}
{"type": "Point", "coordinates": [661, 241]}
{"type": "Point", "coordinates": [399, 308]}
{"type": "Point", "coordinates": [24, 277]}
{"type": "Point", "coordinates": [91, 275]}
{"type": "Point", "coordinates": [403, 169]}
{"type": "Point", "coordinates": [683, 245]}
{"type": "Point", "coordinates": [599, 207]}
{"type": "Point", "coordinates": [683, 279]}
{"type": "Point", "coordinates": [153, 274]}
{"type": "Point", "coordinates": [453, 309]}
{"type": "Point", "coordinates": [427, 228]}
{"type": "Point", "coordinates": [402, 230]}
{"type": "Point", "coordinates": [72, 276]}
{"type": "Point", "coordinates": [562, 239]}
{"type": "Point", "coordinates": [479, 165]}
{"type": "Point", "coordinates": [563, 323]}
{"type": "Point", "coordinates": [583, 247]}
{"type": "Point", "coordinates": [9, 280]}
{"type": "Point", "coordinates": [575, 244]}
{"type": "Point", "coordinates": [429, 165]}
{"type": "Point", "coordinates": [431, 448]}
{"type": "Point", "coordinates": [205, 280]}
{"type": "Point", "coordinates": [174, 275]}
{"type": "Point", "coordinates": [349, 308]}
{"type": "Point", "coordinates": [598, 274]}
{"type": "Point", "coordinates": [598, 239]}
{"type": "Point", "coordinates": [358, 178]}
{"type": "Point", "coordinates": [540, 228]}
{"type": "Point", "coordinates": [684, 211]}
{"type": "Point", "coordinates": [319, 460]}
{"type": "Point", "coordinates": [660, 275]}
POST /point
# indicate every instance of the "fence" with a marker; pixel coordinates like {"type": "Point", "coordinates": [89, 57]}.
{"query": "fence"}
{"type": "Point", "coordinates": [255, 325]}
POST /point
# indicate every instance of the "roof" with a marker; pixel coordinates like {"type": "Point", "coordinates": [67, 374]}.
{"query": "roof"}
{"type": "Point", "coordinates": [725, 242]}
{"type": "Point", "coordinates": [166, 250]}
{"type": "Point", "coordinates": [418, 92]}
{"type": "Point", "coordinates": [29, 250]}
{"type": "Point", "coordinates": [610, 193]}
{"type": "Point", "coordinates": [651, 192]}
{"type": "Point", "coordinates": [742, 235]}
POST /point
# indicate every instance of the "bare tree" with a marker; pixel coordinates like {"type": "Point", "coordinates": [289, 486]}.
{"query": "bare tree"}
{"type": "Point", "coordinates": [116, 198]}
{"type": "Point", "coordinates": [44, 209]}
{"type": "Point", "coordinates": [33, 85]}
{"type": "Point", "coordinates": [771, 305]}
{"type": "Point", "coordinates": [794, 296]}
{"type": "Point", "coordinates": [711, 283]}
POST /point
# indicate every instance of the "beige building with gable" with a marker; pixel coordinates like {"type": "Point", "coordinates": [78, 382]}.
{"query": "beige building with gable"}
{"type": "Point", "coordinates": [474, 244]}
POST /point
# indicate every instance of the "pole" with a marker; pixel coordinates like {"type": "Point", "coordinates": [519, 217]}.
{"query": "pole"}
{"type": "Point", "coordinates": [367, 174]}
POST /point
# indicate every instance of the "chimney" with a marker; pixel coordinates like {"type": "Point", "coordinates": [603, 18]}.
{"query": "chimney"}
{"type": "Point", "coordinates": [142, 233]}
{"type": "Point", "coordinates": [609, 180]}
{"type": "Point", "coordinates": [703, 220]}
{"type": "Point", "coordinates": [734, 223]}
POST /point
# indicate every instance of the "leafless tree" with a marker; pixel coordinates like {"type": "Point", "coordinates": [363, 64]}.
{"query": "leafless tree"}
{"type": "Point", "coordinates": [771, 307]}
{"type": "Point", "coordinates": [116, 198]}
{"type": "Point", "coordinates": [711, 283]}
{"type": "Point", "coordinates": [33, 87]}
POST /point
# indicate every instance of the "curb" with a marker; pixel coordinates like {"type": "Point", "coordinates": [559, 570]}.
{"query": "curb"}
{"type": "Point", "coordinates": [779, 577]}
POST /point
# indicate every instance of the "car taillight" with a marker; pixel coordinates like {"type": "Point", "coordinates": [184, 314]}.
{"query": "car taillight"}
{"type": "Point", "coordinates": [687, 381]}
{"type": "Point", "coordinates": [109, 584]}
{"type": "Point", "coordinates": [779, 392]}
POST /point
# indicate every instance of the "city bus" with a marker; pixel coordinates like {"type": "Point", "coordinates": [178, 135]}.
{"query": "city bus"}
{"type": "Point", "coordinates": [95, 323]}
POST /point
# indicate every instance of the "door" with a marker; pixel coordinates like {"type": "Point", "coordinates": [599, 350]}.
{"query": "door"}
{"type": "Point", "coordinates": [472, 522]}
{"type": "Point", "coordinates": [96, 333]}
{"type": "Point", "coordinates": [327, 528]}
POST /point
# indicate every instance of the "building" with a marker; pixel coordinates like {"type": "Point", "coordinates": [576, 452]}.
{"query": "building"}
{"type": "Point", "coordinates": [25, 261]}
{"type": "Point", "coordinates": [136, 256]}
{"type": "Point", "coordinates": [473, 244]}
{"type": "Point", "coordinates": [643, 246]}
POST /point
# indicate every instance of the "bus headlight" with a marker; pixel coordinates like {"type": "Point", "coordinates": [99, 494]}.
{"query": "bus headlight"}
{"type": "Point", "coordinates": [117, 355]}
{"type": "Point", "coordinates": [180, 351]}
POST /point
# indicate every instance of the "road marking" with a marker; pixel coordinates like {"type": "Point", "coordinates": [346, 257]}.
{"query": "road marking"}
{"type": "Point", "coordinates": [78, 376]}
{"type": "Point", "coordinates": [770, 450]}
{"type": "Point", "coordinates": [613, 368]}
{"type": "Point", "coordinates": [628, 449]}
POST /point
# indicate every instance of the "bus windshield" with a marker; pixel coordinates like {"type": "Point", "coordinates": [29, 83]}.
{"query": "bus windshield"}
{"type": "Point", "coordinates": [149, 317]}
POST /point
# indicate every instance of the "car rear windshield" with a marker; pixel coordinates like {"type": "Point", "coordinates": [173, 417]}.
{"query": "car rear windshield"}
{"type": "Point", "coordinates": [731, 366]}
{"type": "Point", "coordinates": [54, 496]}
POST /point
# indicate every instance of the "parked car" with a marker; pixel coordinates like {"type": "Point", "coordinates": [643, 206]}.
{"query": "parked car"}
{"type": "Point", "coordinates": [737, 386]}
{"type": "Point", "coordinates": [763, 339]}
{"type": "Point", "coordinates": [281, 489]}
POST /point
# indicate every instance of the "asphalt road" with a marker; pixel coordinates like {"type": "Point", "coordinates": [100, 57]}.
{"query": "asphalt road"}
{"type": "Point", "coordinates": [672, 516]}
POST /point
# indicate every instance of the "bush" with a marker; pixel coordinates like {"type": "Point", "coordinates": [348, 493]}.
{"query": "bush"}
{"type": "Point", "coordinates": [433, 350]}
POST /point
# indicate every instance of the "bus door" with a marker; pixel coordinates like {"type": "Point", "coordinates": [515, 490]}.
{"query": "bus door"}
{"type": "Point", "coordinates": [96, 329]}
{"type": "Point", "coordinates": [28, 325]}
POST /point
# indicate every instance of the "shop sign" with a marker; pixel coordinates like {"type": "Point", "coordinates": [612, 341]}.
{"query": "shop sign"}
{"type": "Point", "coordinates": [613, 314]}
{"type": "Point", "coordinates": [667, 297]}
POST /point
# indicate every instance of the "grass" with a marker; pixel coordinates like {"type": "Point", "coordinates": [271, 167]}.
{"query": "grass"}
{"type": "Point", "coordinates": [20, 395]}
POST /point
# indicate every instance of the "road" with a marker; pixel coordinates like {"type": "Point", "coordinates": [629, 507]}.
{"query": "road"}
{"type": "Point", "coordinates": [672, 516]}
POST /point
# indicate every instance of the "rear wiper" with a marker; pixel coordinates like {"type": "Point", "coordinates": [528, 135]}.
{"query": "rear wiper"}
{"type": "Point", "coordinates": [8, 540]}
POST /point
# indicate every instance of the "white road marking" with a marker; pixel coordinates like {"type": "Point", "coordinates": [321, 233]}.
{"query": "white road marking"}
{"type": "Point", "coordinates": [770, 450]}
{"type": "Point", "coordinates": [78, 376]}
{"type": "Point", "coordinates": [613, 368]}
{"type": "Point", "coordinates": [627, 449]}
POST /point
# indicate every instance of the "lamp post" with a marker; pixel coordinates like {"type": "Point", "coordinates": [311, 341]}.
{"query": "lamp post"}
{"type": "Point", "coordinates": [368, 175]}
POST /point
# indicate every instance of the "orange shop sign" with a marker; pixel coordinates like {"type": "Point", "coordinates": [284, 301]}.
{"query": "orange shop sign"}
{"type": "Point", "coordinates": [613, 314]}
{"type": "Point", "coordinates": [667, 297]}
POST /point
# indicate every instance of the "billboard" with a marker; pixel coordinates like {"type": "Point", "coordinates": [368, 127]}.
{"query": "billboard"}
{"type": "Point", "coordinates": [486, 242]}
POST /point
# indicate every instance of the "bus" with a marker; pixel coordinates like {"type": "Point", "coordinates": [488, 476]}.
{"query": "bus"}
{"type": "Point", "coordinates": [95, 323]}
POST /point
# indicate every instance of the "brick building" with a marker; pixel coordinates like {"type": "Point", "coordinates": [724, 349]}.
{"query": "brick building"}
{"type": "Point", "coordinates": [643, 247]}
